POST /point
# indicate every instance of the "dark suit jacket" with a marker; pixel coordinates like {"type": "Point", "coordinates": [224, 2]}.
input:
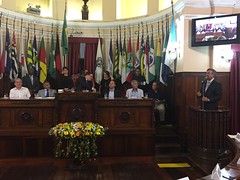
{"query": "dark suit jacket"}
{"type": "Point", "coordinates": [117, 93]}
{"type": "Point", "coordinates": [28, 83]}
{"type": "Point", "coordinates": [82, 84]}
{"type": "Point", "coordinates": [214, 93]}
{"type": "Point", "coordinates": [64, 82]}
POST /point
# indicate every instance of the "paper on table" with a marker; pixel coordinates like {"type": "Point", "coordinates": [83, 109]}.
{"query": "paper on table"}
{"type": "Point", "coordinates": [232, 136]}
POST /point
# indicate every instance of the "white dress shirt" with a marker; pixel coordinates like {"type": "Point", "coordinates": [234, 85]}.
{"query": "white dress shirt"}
{"type": "Point", "coordinates": [22, 93]}
{"type": "Point", "coordinates": [134, 94]}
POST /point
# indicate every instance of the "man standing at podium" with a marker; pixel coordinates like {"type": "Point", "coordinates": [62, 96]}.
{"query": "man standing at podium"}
{"type": "Point", "coordinates": [210, 92]}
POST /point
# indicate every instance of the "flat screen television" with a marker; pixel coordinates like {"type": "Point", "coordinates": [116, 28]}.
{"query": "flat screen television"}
{"type": "Point", "coordinates": [216, 30]}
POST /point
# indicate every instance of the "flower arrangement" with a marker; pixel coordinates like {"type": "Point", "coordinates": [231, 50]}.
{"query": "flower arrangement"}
{"type": "Point", "coordinates": [77, 140]}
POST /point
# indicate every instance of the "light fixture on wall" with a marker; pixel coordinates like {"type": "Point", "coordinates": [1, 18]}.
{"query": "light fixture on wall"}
{"type": "Point", "coordinates": [34, 10]}
{"type": "Point", "coordinates": [227, 55]}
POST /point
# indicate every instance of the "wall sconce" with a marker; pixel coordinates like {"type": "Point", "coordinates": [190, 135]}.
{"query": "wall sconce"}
{"type": "Point", "coordinates": [228, 56]}
{"type": "Point", "coordinates": [34, 10]}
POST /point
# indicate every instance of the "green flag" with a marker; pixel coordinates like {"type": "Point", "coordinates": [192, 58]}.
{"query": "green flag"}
{"type": "Point", "coordinates": [51, 62]}
{"type": "Point", "coordinates": [64, 42]}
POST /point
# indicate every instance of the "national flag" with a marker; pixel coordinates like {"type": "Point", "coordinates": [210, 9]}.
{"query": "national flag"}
{"type": "Point", "coordinates": [171, 53]}
{"type": "Point", "coordinates": [120, 55]}
{"type": "Point", "coordinates": [8, 59]}
{"type": "Point", "coordinates": [42, 61]}
{"type": "Point", "coordinates": [29, 54]}
{"type": "Point", "coordinates": [158, 57]}
{"type": "Point", "coordinates": [165, 42]}
{"type": "Point", "coordinates": [64, 42]}
{"type": "Point", "coordinates": [110, 58]}
{"type": "Point", "coordinates": [124, 62]}
{"type": "Point", "coordinates": [129, 70]}
{"type": "Point", "coordinates": [99, 63]}
{"type": "Point", "coordinates": [142, 56]}
{"type": "Point", "coordinates": [2, 55]}
{"type": "Point", "coordinates": [151, 61]}
{"type": "Point", "coordinates": [51, 61]}
{"type": "Point", "coordinates": [22, 58]}
{"type": "Point", "coordinates": [146, 60]}
{"type": "Point", "coordinates": [14, 69]}
{"type": "Point", "coordinates": [35, 57]}
{"type": "Point", "coordinates": [116, 61]}
{"type": "Point", "coordinates": [58, 60]}
{"type": "Point", "coordinates": [137, 60]}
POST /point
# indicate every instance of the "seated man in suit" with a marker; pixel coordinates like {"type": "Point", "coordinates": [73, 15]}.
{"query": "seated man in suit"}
{"type": "Point", "coordinates": [31, 82]}
{"type": "Point", "coordinates": [19, 92]}
{"type": "Point", "coordinates": [112, 92]}
{"type": "Point", "coordinates": [134, 92]}
{"type": "Point", "coordinates": [85, 84]}
{"type": "Point", "coordinates": [47, 91]}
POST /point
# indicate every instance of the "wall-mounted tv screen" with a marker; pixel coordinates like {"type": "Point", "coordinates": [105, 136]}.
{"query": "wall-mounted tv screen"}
{"type": "Point", "coordinates": [216, 30]}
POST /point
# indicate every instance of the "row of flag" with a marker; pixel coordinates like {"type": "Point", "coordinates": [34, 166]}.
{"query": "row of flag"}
{"type": "Point", "coordinates": [14, 64]}
{"type": "Point", "coordinates": [155, 63]}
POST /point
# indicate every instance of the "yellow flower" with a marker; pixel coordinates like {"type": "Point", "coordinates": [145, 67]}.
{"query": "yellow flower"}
{"type": "Point", "coordinates": [66, 133]}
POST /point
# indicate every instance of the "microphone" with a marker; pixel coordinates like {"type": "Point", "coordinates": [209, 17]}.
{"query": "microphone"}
{"type": "Point", "coordinates": [204, 80]}
{"type": "Point", "coordinates": [226, 152]}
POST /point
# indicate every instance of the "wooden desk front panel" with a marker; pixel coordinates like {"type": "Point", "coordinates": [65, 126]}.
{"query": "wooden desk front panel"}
{"type": "Point", "coordinates": [130, 123]}
{"type": "Point", "coordinates": [124, 113]}
{"type": "Point", "coordinates": [26, 114]}
{"type": "Point", "coordinates": [76, 106]}
{"type": "Point", "coordinates": [24, 126]}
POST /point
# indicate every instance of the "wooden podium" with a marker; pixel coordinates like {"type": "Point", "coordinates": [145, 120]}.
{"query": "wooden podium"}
{"type": "Point", "coordinates": [207, 136]}
{"type": "Point", "coordinates": [77, 106]}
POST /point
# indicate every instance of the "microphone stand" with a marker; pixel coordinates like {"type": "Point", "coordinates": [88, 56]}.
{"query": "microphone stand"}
{"type": "Point", "coordinates": [203, 92]}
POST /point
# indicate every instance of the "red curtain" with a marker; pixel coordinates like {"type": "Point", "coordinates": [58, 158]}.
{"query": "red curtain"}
{"type": "Point", "coordinates": [90, 57]}
{"type": "Point", "coordinates": [73, 58]}
{"type": "Point", "coordinates": [74, 54]}
{"type": "Point", "coordinates": [235, 90]}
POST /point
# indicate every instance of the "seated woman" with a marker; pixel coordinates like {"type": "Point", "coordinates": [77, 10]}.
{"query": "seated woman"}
{"type": "Point", "coordinates": [65, 81]}
{"type": "Point", "coordinates": [104, 84]}
{"type": "Point", "coordinates": [159, 98]}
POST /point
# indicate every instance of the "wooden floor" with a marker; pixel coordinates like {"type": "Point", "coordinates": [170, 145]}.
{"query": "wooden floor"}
{"type": "Point", "coordinates": [116, 168]}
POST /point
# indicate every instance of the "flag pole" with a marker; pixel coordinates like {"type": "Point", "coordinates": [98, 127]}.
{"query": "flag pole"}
{"type": "Point", "coordinates": [1, 19]}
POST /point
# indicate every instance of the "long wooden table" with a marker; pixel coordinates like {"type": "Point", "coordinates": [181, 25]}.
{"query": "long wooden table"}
{"type": "Point", "coordinates": [24, 124]}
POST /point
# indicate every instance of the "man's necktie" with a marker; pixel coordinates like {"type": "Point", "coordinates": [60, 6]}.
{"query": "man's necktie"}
{"type": "Point", "coordinates": [47, 93]}
{"type": "Point", "coordinates": [207, 85]}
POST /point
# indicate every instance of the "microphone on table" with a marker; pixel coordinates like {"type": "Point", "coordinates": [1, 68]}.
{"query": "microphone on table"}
{"type": "Point", "coordinates": [226, 152]}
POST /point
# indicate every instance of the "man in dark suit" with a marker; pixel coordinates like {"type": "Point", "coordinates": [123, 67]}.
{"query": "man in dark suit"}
{"type": "Point", "coordinates": [31, 82]}
{"type": "Point", "coordinates": [85, 84]}
{"type": "Point", "coordinates": [210, 92]}
{"type": "Point", "coordinates": [112, 92]}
